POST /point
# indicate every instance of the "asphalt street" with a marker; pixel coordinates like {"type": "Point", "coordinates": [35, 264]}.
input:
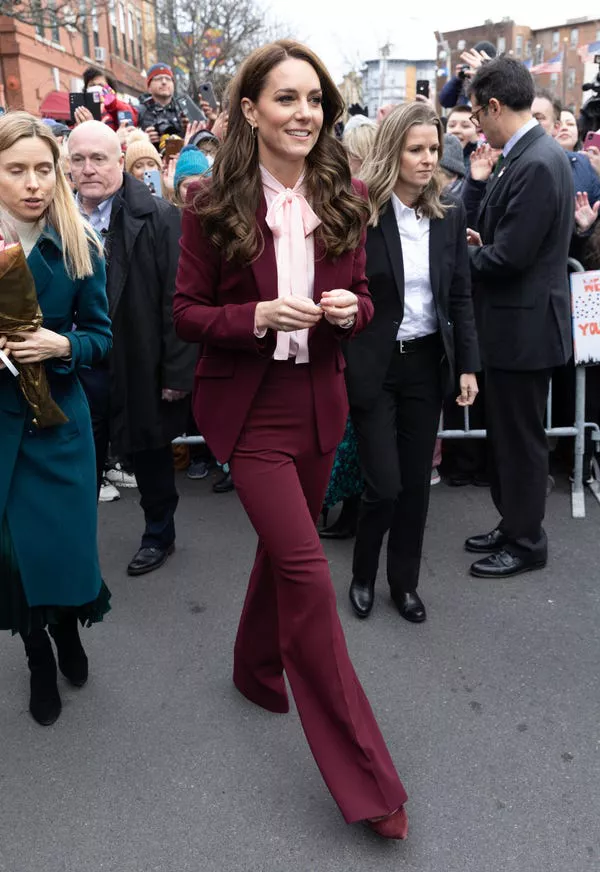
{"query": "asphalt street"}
{"type": "Point", "coordinates": [491, 710]}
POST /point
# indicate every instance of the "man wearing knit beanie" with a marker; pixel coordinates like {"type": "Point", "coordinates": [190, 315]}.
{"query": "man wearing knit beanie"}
{"type": "Point", "coordinates": [159, 112]}
{"type": "Point", "coordinates": [141, 156]}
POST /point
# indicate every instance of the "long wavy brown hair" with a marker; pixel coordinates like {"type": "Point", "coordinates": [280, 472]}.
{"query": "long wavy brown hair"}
{"type": "Point", "coordinates": [227, 207]}
{"type": "Point", "coordinates": [381, 169]}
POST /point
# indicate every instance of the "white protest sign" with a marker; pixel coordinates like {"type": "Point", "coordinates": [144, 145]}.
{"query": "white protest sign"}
{"type": "Point", "coordinates": [585, 310]}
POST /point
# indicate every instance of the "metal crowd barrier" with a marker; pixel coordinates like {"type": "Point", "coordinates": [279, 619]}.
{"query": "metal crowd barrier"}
{"type": "Point", "coordinates": [577, 430]}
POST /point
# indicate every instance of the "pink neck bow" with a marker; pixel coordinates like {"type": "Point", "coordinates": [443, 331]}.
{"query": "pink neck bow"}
{"type": "Point", "coordinates": [291, 221]}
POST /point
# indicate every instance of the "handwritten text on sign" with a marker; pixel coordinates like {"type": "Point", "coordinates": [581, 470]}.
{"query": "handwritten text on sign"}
{"type": "Point", "coordinates": [585, 308]}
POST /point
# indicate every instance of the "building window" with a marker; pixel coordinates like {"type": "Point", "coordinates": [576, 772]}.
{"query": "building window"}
{"type": "Point", "coordinates": [555, 40]}
{"type": "Point", "coordinates": [519, 46]}
{"type": "Point", "coordinates": [123, 32]}
{"type": "Point", "coordinates": [54, 28]}
{"type": "Point", "coordinates": [38, 13]}
{"type": "Point", "coordinates": [501, 45]}
{"type": "Point", "coordinates": [574, 37]}
{"type": "Point", "coordinates": [140, 41]}
{"type": "Point", "coordinates": [528, 49]}
{"type": "Point", "coordinates": [113, 28]}
{"type": "Point", "coordinates": [571, 78]}
{"type": "Point", "coordinates": [85, 35]}
{"type": "Point", "coordinates": [554, 78]}
{"type": "Point", "coordinates": [131, 35]}
{"type": "Point", "coordinates": [539, 54]}
{"type": "Point", "coordinates": [95, 29]}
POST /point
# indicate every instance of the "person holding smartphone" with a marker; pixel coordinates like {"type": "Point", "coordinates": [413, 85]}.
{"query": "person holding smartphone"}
{"type": "Point", "coordinates": [160, 112]}
{"type": "Point", "coordinates": [271, 279]}
{"type": "Point", "coordinates": [113, 110]}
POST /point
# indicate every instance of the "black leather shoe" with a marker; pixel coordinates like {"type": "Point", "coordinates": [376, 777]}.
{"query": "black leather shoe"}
{"type": "Point", "coordinates": [503, 564]}
{"type": "Point", "coordinates": [337, 531]}
{"type": "Point", "coordinates": [224, 484]}
{"type": "Point", "coordinates": [410, 606]}
{"type": "Point", "coordinates": [362, 594]}
{"type": "Point", "coordinates": [149, 559]}
{"type": "Point", "coordinates": [487, 543]}
{"type": "Point", "coordinates": [460, 479]}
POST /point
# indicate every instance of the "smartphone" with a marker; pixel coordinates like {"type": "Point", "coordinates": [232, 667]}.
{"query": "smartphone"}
{"type": "Point", "coordinates": [89, 99]}
{"type": "Point", "coordinates": [152, 181]}
{"type": "Point", "coordinates": [192, 112]}
{"type": "Point", "coordinates": [423, 87]}
{"type": "Point", "coordinates": [207, 93]}
{"type": "Point", "coordinates": [124, 115]}
{"type": "Point", "coordinates": [592, 139]}
{"type": "Point", "coordinates": [173, 147]}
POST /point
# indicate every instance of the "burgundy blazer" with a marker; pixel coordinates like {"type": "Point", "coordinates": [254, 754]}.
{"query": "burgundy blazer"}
{"type": "Point", "coordinates": [214, 305]}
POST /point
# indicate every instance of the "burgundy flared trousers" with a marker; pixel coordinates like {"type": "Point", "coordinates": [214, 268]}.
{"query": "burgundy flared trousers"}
{"type": "Point", "coordinates": [289, 621]}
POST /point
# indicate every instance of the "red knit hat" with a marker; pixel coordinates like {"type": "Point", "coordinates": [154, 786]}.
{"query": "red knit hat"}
{"type": "Point", "coordinates": [159, 70]}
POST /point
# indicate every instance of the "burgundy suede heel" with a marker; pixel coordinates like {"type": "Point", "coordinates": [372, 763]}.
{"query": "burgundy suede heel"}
{"type": "Point", "coordinates": [394, 826]}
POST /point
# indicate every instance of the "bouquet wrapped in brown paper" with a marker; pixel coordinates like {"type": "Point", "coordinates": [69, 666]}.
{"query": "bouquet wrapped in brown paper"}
{"type": "Point", "coordinates": [20, 313]}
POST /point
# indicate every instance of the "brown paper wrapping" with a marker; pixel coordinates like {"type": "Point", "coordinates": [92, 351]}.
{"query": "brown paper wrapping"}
{"type": "Point", "coordinates": [20, 313]}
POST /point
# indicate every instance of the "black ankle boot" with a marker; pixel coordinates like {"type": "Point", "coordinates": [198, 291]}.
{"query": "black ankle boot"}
{"type": "Point", "coordinates": [44, 702]}
{"type": "Point", "coordinates": [72, 659]}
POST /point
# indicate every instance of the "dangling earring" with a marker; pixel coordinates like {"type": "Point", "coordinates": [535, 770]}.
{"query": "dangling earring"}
{"type": "Point", "coordinates": [254, 128]}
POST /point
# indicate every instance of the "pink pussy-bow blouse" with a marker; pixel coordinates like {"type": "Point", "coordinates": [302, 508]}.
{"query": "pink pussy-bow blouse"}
{"type": "Point", "coordinates": [292, 223]}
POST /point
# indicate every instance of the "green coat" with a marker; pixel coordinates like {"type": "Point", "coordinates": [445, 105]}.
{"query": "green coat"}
{"type": "Point", "coordinates": [48, 477]}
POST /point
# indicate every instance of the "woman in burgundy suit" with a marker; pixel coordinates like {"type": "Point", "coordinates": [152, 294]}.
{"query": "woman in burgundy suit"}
{"type": "Point", "coordinates": [271, 278]}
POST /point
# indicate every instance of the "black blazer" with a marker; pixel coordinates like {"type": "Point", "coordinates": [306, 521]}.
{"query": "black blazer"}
{"type": "Point", "coordinates": [368, 355]}
{"type": "Point", "coordinates": [525, 221]}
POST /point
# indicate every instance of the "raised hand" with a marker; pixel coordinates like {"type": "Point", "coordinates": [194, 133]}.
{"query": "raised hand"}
{"type": "Point", "coordinates": [482, 162]}
{"type": "Point", "coordinates": [585, 215]}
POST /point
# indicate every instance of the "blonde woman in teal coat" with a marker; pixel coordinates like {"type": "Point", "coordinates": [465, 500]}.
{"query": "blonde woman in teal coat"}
{"type": "Point", "coordinates": [49, 570]}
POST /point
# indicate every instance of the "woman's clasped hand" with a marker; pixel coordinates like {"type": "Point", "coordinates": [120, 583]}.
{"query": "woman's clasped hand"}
{"type": "Point", "coordinates": [298, 313]}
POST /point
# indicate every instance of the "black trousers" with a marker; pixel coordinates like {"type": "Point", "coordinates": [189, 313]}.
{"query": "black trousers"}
{"type": "Point", "coordinates": [396, 439]}
{"type": "Point", "coordinates": [515, 409]}
{"type": "Point", "coordinates": [154, 469]}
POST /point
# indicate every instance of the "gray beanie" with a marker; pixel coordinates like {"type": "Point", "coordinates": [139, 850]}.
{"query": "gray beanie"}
{"type": "Point", "coordinates": [452, 159]}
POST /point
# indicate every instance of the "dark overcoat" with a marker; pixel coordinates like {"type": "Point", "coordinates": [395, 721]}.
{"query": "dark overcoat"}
{"type": "Point", "coordinates": [142, 250]}
{"type": "Point", "coordinates": [48, 477]}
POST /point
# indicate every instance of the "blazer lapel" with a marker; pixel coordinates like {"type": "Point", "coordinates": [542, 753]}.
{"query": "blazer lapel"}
{"type": "Point", "coordinates": [437, 238]}
{"type": "Point", "coordinates": [264, 267]}
{"type": "Point", "coordinates": [389, 229]}
{"type": "Point", "coordinates": [515, 152]}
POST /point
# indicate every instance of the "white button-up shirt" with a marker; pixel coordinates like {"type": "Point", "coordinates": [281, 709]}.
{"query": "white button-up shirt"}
{"type": "Point", "coordinates": [420, 318]}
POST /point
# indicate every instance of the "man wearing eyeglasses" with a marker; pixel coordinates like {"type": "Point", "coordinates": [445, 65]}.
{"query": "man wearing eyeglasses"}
{"type": "Point", "coordinates": [159, 111]}
{"type": "Point", "coordinates": [519, 266]}
{"type": "Point", "coordinates": [137, 400]}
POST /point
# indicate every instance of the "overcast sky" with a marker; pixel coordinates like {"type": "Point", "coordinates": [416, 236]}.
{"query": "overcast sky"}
{"type": "Point", "coordinates": [347, 32]}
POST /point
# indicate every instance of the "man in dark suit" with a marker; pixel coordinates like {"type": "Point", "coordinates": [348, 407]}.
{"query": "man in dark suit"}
{"type": "Point", "coordinates": [137, 399]}
{"type": "Point", "coordinates": [519, 263]}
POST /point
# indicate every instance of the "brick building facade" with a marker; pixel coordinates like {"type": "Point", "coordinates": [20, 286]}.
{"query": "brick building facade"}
{"type": "Point", "coordinates": [34, 60]}
{"type": "Point", "coordinates": [535, 48]}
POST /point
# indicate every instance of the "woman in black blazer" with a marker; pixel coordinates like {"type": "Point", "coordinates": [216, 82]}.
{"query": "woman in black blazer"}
{"type": "Point", "coordinates": [403, 363]}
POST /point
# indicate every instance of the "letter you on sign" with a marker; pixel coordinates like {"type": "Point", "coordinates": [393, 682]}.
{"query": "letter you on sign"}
{"type": "Point", "coordinates": [585, 306]}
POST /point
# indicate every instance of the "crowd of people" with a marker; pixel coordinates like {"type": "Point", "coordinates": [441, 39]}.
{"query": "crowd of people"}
{"type": "Point", "coordinates": [310, 301]}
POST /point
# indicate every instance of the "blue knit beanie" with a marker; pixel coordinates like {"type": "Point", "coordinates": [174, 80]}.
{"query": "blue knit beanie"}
{"type": "Point", "coordinates": [191, 162]}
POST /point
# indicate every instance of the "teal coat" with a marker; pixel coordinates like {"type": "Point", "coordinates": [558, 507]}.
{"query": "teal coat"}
{"type": "Point", "coordinates": [48, 477]}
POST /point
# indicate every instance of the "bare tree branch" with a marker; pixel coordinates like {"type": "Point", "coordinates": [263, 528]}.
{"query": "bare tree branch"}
{"type": "Point", "coordinates": [75, 16]}
{"type": "Point", "coordinates": [207, 39]}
